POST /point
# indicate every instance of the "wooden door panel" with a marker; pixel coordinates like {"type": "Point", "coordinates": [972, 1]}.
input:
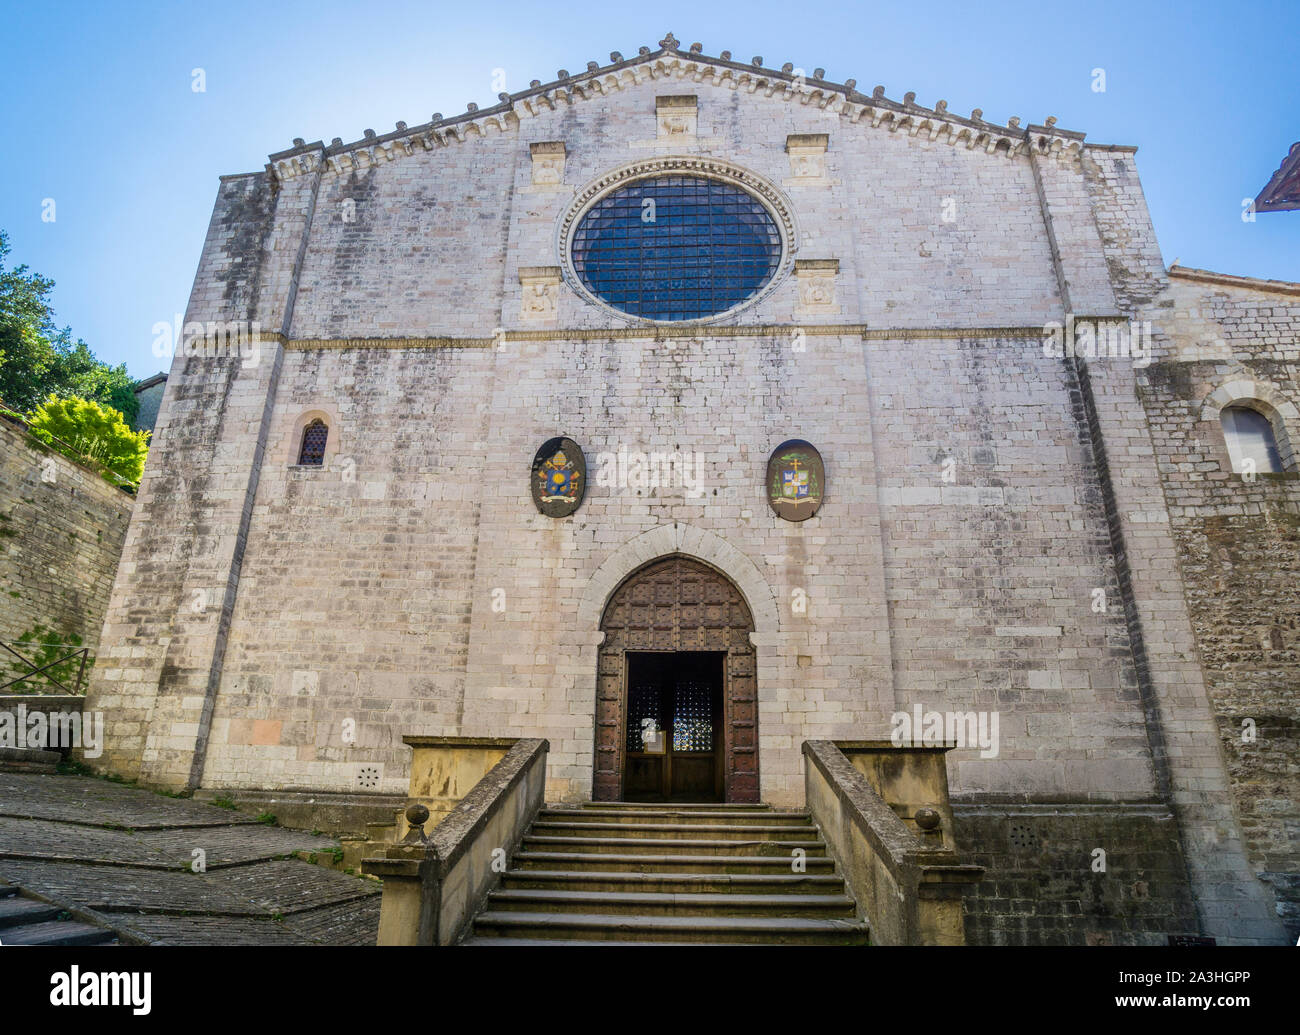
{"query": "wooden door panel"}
{"type": "Point", "coordinates": [678, 604]}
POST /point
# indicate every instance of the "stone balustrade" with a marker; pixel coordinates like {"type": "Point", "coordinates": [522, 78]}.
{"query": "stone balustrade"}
{"type": "Point", "coordinates": [905, 873]}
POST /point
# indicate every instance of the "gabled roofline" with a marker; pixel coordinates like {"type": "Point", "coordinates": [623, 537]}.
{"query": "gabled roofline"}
{"type": "Point", "coordinates": [844, 97]}
{"type": "Point", "coordinates": [1282, 192]}
{"type": "Point", "coordinates": [1283, 287]}
{"type": "Point", "coordinates": [149, 382]}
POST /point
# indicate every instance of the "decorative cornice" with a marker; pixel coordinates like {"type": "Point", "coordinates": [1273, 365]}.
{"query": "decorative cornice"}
{"type": "Point", "coordinates": [662, 332]}
{"type": "Point", "coordinates": [670, 63]}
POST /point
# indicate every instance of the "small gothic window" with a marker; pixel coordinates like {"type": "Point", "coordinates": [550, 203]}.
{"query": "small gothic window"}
{"type": "Point", "coordinates": [312, 453]}
{"type": "Point", "coordinates": [1250, 438]}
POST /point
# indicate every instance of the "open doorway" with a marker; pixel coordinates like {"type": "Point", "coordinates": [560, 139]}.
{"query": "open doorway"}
{"type": "Point", "coordinates": [674, 725]}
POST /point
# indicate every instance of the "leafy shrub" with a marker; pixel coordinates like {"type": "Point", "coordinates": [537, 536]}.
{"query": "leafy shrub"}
{"type": "Point", "coordinates": [81, 429]}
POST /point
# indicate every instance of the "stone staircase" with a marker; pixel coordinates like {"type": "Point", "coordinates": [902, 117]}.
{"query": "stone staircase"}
{"type": "Point", "coordinates": [670, 873]}
{"type": "Point", "coordinates": [28, 760]}
{"type": "Point", "coordinates": [27, 921]}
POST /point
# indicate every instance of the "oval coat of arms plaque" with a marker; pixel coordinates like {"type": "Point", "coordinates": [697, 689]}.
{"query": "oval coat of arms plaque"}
{"type": "Point", "coordinates": [559, 477]}
{"type": "Point", "coordinates": [796, 480]}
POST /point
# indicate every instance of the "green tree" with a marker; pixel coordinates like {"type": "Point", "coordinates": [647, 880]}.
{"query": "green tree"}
{"type": "Point", "coordinates": [26, 352]}
{"type": "Point", "coordinates": [77, 372]}
{"type": "Point", "coordinates": [81, 428]}
{"type": "Point", "coordinates": [37, 358]}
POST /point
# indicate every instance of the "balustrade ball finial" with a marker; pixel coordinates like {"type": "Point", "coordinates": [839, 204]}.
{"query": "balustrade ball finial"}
{"type": "Point", "coordinates": [416, 816]}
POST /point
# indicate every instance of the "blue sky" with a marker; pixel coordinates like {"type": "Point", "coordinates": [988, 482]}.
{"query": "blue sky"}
{"type": "Point", "coordinates": [99, 113]}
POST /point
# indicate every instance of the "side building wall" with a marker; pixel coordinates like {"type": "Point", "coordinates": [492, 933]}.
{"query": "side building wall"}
{"type": "Point", "coordinates": [1239, 544]}
{"type": "Point", "coordinates": [61, 532]}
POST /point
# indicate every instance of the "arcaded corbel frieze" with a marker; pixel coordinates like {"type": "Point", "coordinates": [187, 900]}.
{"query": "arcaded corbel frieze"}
{"type": "Point", "coordinates": [674, 64]}
{"type": "Point", "coordinates": [301, 164]}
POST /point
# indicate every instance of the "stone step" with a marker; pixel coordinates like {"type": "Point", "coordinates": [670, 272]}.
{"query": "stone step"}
{"type": "Point", "coordinates": [707, 817]}
{"type": "Point", "coordinates": [716, 865]}
{"type": "Point", "coordinates": [28, 760]}
{"type": "Point", "coordinates": [382, 833]}
{"type": "Point", "coordinates": [671, 831]}
{"type": "Point", "coordinates": [731, 930]}
{"type": "Point", "coordinates": [15, 912]}
{"type": "Point", "coordinates": [678, 883]}
{"type": "Point", "coordinates": [576, 943]}
{"type": "Point", "coordinates": [632, 806]}
{"type": "Point", "coordinates": [56, 932]}
{"type": "Point", "coordinates": [649, 903]}
{"type": "Point", "coordinates": [676, 846]}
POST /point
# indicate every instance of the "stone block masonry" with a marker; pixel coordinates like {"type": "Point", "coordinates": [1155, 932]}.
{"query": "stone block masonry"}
{"type": "Point", "coordinates": [61, 532]}
{"type": "Point", "coordinates": [281, 626]}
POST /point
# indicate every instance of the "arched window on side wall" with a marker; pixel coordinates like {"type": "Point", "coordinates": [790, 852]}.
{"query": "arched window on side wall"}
{"type": "Point", "coordinates": [312, 452]}
{"type": "Point", "coordinates": [1250, 437]}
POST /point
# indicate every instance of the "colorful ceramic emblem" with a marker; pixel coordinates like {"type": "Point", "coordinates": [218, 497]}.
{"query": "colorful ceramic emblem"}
{"type": "Point", "coordinates": [559, 477]}
{"type": "Point", "coordinates": [796, 480]}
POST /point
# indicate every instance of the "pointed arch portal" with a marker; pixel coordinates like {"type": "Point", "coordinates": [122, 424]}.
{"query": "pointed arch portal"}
{"type": "Point", "coordinates": [676, 688]}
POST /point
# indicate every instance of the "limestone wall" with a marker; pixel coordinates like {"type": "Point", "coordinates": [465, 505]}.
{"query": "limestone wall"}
{"type": "Point", "coordinates": [1239, 546]}
{"type": "Point", "coordinates": [275, 626]}
{"type": "Point", "coordinates": [61, 532]}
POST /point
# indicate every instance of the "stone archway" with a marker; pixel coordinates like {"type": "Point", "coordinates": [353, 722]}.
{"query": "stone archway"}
{"type": "Point", "coordinates": [678, 604]}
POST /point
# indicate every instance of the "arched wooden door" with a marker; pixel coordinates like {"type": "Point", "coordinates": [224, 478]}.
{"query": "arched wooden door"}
{"type": "Point", "coordinates": [687, 614]}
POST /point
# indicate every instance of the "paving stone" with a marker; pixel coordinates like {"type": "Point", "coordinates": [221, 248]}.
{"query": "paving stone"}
{"type": "Point", "coordinates": [347, 923]}
{"type": "Point", "coordinates": [227, 845]}
{"type": "Point", "coordinates": [144, 878]}
{"type": "Point", "coordinates": [47, 840]}
{"type": "Point", "coordinates": [291, 885]}
{"type": "Point", "coordinates": [82, 799]}
{"type": "Point", "coordinates": [221, 930]}
{"type": "Point", "coordinates": [125, 888]}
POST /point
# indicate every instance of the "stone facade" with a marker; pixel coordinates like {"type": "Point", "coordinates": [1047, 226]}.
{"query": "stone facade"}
{"type": "Point", "coordinates": [61, 531]}
{"type": "Point", "coordinates": [284, 626]}
{"type": "Point", "coordinates": [1234, 340]}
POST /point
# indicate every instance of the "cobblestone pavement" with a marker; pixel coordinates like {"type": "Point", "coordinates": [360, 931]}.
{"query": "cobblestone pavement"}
{"type": "Point", "coordinates": [127, 853]}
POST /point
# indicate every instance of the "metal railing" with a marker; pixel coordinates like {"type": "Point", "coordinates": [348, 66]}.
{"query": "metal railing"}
{"type": "Point", "coordinates": [40, 667]}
